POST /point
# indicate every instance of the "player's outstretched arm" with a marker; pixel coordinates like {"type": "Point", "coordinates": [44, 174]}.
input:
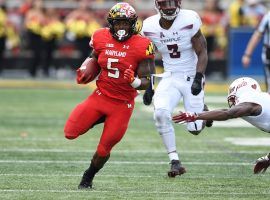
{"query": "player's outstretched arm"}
{"type": "Point", "coordinates": [240, 110]}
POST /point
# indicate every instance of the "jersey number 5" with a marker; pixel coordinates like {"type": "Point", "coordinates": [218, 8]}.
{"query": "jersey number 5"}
{"type": "Point", "coordinates": [113, 71]}
{"type": "Point", "coordinates": [174, 51]}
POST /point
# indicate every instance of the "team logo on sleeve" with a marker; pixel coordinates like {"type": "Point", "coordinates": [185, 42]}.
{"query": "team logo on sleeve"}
{"type": "Point", "coordinates": [150, 49]}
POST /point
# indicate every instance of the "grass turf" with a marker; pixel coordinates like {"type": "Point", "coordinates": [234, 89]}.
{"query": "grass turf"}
{"type": "Point", "coordinates": [37, 162]}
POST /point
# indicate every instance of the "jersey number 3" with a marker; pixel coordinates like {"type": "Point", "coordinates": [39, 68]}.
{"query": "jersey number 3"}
{"type": "Point", "coordinates": [174, 51]}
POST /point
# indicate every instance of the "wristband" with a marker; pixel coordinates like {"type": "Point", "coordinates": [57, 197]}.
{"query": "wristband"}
{"type": "Point", "coordinates": [136, 83]}
{"type": "Point", "coordinates": [247, 55]}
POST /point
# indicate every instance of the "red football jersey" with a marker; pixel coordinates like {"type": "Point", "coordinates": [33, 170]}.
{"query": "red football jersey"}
{"type": "Point", "coordinates": [114, 57]}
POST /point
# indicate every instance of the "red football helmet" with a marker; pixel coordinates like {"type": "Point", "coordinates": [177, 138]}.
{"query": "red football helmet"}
{"type": "Point", "coordinates": [122, 12]}
{"type": "Point", "coordinates": [168, 9]}
{"type": "Point", "coordinates": [244, 84]}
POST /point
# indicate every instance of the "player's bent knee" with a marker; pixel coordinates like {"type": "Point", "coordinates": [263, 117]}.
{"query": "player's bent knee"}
{"type": "Point", "coordinates": [163, 120]}
{"type": "Point", "coordinates": [162, 115]}
{"type": "Point", "coordinates": [71, 132]}
{"type": "Point", "coordinates": [70, 135]}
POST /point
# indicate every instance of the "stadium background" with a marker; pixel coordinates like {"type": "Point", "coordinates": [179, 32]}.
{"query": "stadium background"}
{"type": "Point", "coordinates": [224, 59]}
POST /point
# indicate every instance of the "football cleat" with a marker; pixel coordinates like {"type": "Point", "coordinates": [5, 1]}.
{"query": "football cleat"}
{"type": "Point", "coordinates": [176, 169]}
{"type": "Point", "coordinates": [262, 164]}
{"type": "Point", "coordinates": [86, 182]}
{"type": "Point", "coordinates": [208, 123]}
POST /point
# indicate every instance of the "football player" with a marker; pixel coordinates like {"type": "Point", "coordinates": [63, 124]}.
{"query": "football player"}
{"type": "Point", "coordinates": [176, 34]}
{"type": "Point", "coordinates": [246, 100]}
{"type": "Point", "coordinates": [123, 61]}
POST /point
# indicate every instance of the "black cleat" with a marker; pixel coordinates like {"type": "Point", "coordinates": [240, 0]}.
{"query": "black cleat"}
{"type": "Point", "coordinates": [176, 169]}
{"type": "Point", "coordinates": [86, 182]}
{"type": "Point", "coordinates": [262, 164]}
{"type": "Point", "coordinates": [208, 123]}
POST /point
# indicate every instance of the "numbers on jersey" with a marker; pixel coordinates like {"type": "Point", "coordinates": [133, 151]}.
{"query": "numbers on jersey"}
{"type": "Point", "coordinates": [174, 51]}
{"type": "Point", "coordinates": [115, 70]}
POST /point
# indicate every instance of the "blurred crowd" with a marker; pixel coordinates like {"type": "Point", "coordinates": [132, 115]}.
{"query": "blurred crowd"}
{"type": "Point", "coordinates": [40, 31]}
{"type": "Point", "coordinates": [217, 21]}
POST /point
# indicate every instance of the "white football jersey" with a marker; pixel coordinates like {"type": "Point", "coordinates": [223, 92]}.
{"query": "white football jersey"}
{"type": "Point", "coordinates": [261, 121]}
{"type": "Point", "coordinates": [175, 44]}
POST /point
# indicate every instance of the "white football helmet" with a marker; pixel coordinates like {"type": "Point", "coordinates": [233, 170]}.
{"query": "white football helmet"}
{"type": "Point", "coordinates": [168, 9]}
{"type": "Point", "coordinates": [244, 84]}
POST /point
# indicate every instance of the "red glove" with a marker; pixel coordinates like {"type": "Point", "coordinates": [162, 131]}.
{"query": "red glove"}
{"type": "Point", "coordinates": [261, 164]}
{"type": "Point", "coordinates": [185, 117]}
{"type": "Point", "coordinates": [129, 75]}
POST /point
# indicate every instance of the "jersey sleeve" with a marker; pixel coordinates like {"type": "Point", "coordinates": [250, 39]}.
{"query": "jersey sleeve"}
{"type": "Point", "coordinates": [264, 22]}
{"type": "Point", "coordinates": [144, 49]}
{"type": "Point", "coordinates": [196, 24]}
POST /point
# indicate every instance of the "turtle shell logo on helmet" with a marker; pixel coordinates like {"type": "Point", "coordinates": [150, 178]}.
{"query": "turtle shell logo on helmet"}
{"type": "Point", "coordinates": [168, 9]}
{"type": "Point", "coordinates": [122, 11]}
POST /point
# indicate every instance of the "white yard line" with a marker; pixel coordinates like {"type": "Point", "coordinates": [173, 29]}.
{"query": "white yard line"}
{"type": "Point", "coordinates": [122, 162]}
{"type": "Point", "coordinates": [157, 175]}
{"type": "Point", "coordinates": [25, 150]}
{"type": "Point", "coordinates": [32, 139]}
{"type": "Point", "coordinates": [78, 175]}
{"type": "Point", "coordinates": [132, 192]}
{"type": "Point", "coordinates": [249, 141]}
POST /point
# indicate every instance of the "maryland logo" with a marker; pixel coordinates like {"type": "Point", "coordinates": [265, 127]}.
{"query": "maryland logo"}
{"type": "Point", "coordinates": [122, 10]}
{"type": "Point", "coordinates": [150, 49]}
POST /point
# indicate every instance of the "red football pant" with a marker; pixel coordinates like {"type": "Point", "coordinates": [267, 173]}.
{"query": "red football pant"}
{"type": "Point", "coordinates": [85, 114]}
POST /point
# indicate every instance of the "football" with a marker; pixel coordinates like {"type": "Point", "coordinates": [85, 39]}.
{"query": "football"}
{"type": "Point", "coordinates": [88, 71]}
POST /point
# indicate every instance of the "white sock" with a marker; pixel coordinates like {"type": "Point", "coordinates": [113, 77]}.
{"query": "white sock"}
{"type": "Point", "coordinates": [170, 145]}
{"type": "Point", "coordinates": [173, 156]}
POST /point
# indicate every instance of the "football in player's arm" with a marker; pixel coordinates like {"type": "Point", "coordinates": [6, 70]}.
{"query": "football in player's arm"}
{"type": "Point", "coordinates": [245, 100]}
{"type": "Point", "coordinates": [122, 60]}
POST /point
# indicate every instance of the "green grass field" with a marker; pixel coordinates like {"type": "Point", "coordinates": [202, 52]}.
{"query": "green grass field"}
{"type": "Point", "coordinates": [37, 162]}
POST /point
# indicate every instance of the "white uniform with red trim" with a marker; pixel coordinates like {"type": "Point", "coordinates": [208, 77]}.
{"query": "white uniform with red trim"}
{"type": "Point", "coordinates": [261, 121]}
{"type": "Point", "coordinates": [179, 60]}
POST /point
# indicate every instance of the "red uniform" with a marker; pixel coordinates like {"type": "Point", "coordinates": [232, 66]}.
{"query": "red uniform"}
{"type": "Point", "coordinates": [114, 58]}
{"type": "Point", "coordinates": [114, 96]}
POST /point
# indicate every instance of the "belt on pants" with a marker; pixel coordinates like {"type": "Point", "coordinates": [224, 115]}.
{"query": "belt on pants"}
{"type": "Point", "coordinates": [185, 76]}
